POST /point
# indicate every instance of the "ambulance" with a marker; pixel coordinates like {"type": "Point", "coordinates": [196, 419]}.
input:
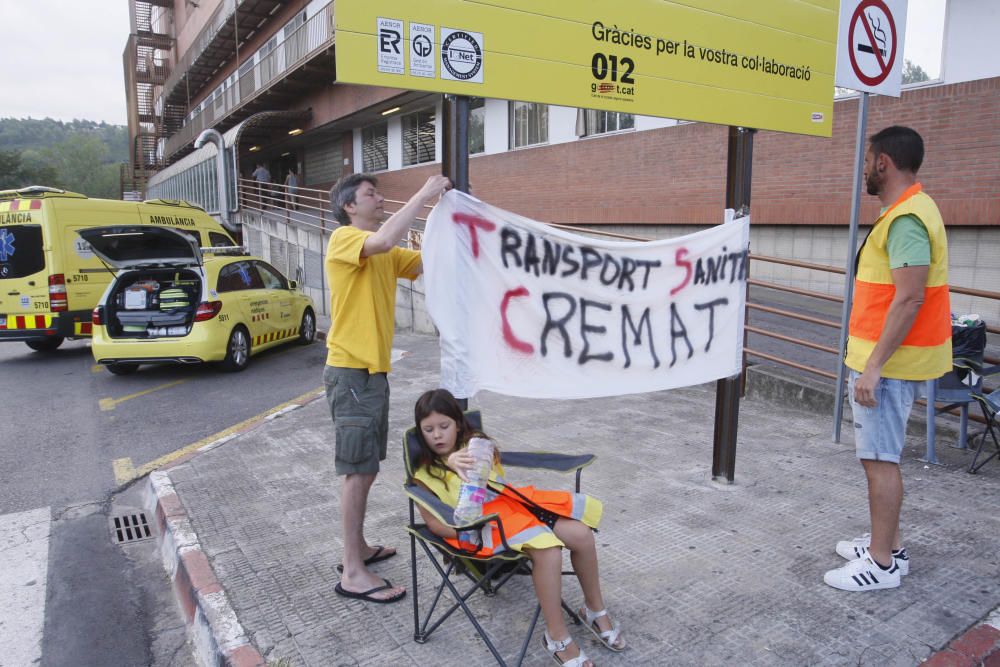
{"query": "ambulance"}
{"type": "Point", "coordinates": [50, 278]}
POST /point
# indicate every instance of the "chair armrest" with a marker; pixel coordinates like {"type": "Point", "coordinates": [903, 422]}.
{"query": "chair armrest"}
{"type": "Point", "coordinates": [975, 366]}
{"type": "Point", "coordinates": [546, 460]}
{"type": "Point", "coordinates": [442, 511]}
{"type": "Point", "coordinates": [989, 370]}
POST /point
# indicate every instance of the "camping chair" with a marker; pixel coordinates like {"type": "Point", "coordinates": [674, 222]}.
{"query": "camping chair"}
{"type": "Point", "coordinates": [486, 573]}
{"type": "Point", "coordinates": [973, 372]}
{"type": "Point", "coordinates": [957, 387]}
{"type": "Point", "coordinates": [968, 346]}
{"type": "Point", "coordinates": [990, 404]}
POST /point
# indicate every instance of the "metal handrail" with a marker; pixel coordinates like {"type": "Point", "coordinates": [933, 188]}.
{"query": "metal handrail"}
{"type": "Point", "coordinates": [273, 199]}
{"type": "Point", "coordinates": [215, 22]}
{"type": "Point", "coordinates": [317, 33]}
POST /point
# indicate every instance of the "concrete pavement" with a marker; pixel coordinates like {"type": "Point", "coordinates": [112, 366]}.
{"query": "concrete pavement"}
{"type": "Point", "coordinates": [697, 572]}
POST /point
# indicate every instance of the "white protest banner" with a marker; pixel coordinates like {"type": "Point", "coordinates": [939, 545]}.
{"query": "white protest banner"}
{"type": "Point", "coordinates": [529, 310]}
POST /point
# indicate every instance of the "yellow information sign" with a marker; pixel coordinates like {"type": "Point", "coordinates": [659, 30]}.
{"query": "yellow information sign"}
{"type": "Point", "coordinates": [766, 64]}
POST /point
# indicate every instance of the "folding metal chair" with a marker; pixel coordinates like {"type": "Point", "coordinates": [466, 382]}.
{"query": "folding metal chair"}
{"type": "Point", "coordinates": [990, 405]}
{"type": "Point", "coordinates": [957, 386]}
{"type": "Point", "coordinates": [486, 574]}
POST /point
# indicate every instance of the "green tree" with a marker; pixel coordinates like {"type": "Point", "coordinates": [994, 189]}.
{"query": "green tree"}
{"type": "Point", "coordinates": [82, 164]}
{"type": "Point", "coordinates": [17, 172]}
{"type": "Point", "coordinates": [913, 73]}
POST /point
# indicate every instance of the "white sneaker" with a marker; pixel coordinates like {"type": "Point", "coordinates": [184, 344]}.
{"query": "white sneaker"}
{"type": "Point", "coordinates": [858, 548]}
{"type": "Point", "coordinates": [863, 575]}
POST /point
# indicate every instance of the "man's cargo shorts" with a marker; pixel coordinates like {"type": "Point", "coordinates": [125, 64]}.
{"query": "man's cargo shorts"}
{"type": "Point", "coordinates": [359, 405]}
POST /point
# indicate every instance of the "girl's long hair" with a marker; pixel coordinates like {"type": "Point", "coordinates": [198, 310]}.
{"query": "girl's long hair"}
{"type": "Point", "coordinates": [442, 402]}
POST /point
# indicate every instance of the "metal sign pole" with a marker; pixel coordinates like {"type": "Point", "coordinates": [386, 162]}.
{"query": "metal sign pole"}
{"type": "Point", "coordinates": [727, 390]}
{"type": "Point", "coordinates": [455, 155]}
{"type": "Point", "coordinates": [455, 149]}
{"type": "Point", "coordinates": [852, 244]}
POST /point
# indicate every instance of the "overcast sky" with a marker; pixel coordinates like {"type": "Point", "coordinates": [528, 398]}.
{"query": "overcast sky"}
{"type": "Point", "coordinates": [64, 57]}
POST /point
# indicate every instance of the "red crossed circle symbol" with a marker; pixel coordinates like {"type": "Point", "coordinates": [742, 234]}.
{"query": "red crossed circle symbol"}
{"type": "Point", "coordinates": [885, 65]}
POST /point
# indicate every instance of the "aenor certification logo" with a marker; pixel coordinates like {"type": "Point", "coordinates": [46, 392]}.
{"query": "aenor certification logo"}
{"type": "Point", "coordinates": [422, 47]}
{"type": "Point", "coordinates": [462, 55]}
{"type": "Point", "coordinates": [390, 45]}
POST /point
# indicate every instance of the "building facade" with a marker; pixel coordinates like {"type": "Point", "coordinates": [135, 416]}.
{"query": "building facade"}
{"type": "Point", "coordinates": [263, 74]}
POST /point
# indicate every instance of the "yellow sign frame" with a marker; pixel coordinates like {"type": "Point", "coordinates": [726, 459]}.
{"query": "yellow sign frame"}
{"type": "Point", "coordinates": [766, 64]}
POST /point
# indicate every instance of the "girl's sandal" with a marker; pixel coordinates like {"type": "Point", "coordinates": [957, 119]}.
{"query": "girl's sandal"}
{"type": "Point", "coordinates": [610, 638]}
{"type": "Point", "coordinates": [554, 647]}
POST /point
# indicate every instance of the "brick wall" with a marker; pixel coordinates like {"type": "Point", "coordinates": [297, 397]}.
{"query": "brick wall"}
{"type": "Point", "coordinates": [677, 175]}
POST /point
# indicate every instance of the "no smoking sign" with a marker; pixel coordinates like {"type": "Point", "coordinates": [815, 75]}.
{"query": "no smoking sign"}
{"type": "Point", "coordinates": [870, 45]}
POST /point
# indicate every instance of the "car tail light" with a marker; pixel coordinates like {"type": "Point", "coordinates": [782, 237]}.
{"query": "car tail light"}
{"type": "Point", "coordinates": [57, 293]}
{"type": "Point", "coordinates": [97, 317]}
{"type": "Point", "coordinates": [207, 310]}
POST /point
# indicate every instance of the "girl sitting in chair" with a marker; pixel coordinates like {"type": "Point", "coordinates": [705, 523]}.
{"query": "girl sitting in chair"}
{"type": "Point", "coordinates": [536, 522]}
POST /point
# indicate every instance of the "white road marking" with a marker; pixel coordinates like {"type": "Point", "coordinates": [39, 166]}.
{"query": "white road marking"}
{"type": "Point", "coordinates": [24, 561]}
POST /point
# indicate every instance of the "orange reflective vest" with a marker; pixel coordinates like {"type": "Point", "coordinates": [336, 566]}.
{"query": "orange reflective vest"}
{"type": "Point", "coordinates": [925, 353]}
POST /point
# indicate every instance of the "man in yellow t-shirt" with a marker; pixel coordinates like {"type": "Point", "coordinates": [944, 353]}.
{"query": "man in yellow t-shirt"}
{"type": "Point", "coordinates": [363, 262]}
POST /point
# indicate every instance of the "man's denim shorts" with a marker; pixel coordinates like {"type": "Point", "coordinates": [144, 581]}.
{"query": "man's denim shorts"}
{"type": "Point", "coordinates": [879, 432]}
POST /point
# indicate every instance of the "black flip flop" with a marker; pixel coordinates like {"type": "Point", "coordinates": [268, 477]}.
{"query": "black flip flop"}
{"type": "Point", "coordinates": [379, 555]}
{"type": "Point", "coordinates": [367, 595]}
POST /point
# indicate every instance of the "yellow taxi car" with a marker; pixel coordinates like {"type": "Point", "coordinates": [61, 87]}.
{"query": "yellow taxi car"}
{"type": "Point", "coordinates": [174, 302]}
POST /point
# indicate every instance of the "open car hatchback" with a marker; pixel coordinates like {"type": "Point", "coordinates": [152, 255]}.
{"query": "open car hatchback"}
{"type": "Point", "coordinates": [173, 302]}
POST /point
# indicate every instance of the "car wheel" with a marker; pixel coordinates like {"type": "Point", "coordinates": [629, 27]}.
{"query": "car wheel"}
{"type": "Point", "coordinates": [237, 351]}
{"type": "Point", "coordinates": [45, 344]}
{"type": "Point", "coordinates": [122, 369]}
{"type": "Point", "coordinates": [307, 329]}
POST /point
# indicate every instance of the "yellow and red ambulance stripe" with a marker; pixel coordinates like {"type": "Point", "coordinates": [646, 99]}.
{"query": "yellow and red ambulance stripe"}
{"type": "Point", "coordinates": [260, 316]}
{"type": "Point", "coordinates": [20, 205]}
{"type": "Point", "coordinates": [83, 328]}
{"type": "Point", "coordinates": [275, 335]}
{"type": "Point", "coordinates": [28, 322]}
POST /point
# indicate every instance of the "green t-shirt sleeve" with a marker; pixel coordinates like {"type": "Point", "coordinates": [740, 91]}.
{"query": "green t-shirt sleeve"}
{"type": "Point", "coordinates": [908, 243]}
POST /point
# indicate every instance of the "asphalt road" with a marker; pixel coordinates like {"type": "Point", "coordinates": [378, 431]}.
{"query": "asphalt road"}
{"type": "Point", "coordinates": [63, 424]}
{"type": "Point", "coordinates": [65, 420]}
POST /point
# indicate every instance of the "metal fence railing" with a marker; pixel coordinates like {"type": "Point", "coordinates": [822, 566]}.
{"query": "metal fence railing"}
{"type": "Point", "coordinates": [301, 44]}
{"type": "Point", "coordinates": [291, 228]}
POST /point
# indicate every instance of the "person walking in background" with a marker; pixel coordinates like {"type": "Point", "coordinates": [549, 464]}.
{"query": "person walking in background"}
{"type": "Point", "coordinates": [292, 186]}
{"type": "Point", "coordinates": [263, 178]}
{"type": "Point", "coordinates": [363, 262]}
{"type": "Point", "coordinates": [899, 337]}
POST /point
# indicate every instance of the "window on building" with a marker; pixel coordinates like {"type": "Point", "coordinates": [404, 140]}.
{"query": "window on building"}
{"type": "Point", "coordinates": [248, 83]}
{"type": "Point", "coordinates": [418, 137]}
{"type": "Point", "coordinates": [375, 147]}
{"type": "Point", "coordinates": [267, 62]}
{"type": "Point", "coordinates": [295, 39]}
{"type": "Point", "coordinates": [477, 125]}
{"type": "Point", "coordinates": [529, 124]}
{"type": "Point", "coordinates": [601, 122]}
{"type": "Point", "coordinates": [219, 96]}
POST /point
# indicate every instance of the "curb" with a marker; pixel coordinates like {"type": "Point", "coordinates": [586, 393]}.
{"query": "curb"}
{"type": "Point", "coordinates": [217, 635]}
{"type": "Point", "coordinates": [979, 645]}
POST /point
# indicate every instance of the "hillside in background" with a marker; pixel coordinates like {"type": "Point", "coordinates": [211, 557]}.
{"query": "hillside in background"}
{"type": "Point", "coordinates": [80, 155]}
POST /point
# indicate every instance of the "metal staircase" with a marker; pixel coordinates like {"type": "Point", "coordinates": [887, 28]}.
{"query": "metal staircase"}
{"type": "Point", "coordinates": [146, 61]}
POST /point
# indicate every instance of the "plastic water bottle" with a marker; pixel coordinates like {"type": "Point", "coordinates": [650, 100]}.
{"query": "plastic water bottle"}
{"type": "Point", "coordinates": [472, 495]}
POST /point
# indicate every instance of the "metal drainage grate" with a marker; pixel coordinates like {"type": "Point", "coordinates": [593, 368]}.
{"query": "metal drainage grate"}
{"type": "Point", "coordinates": [130, 527]}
